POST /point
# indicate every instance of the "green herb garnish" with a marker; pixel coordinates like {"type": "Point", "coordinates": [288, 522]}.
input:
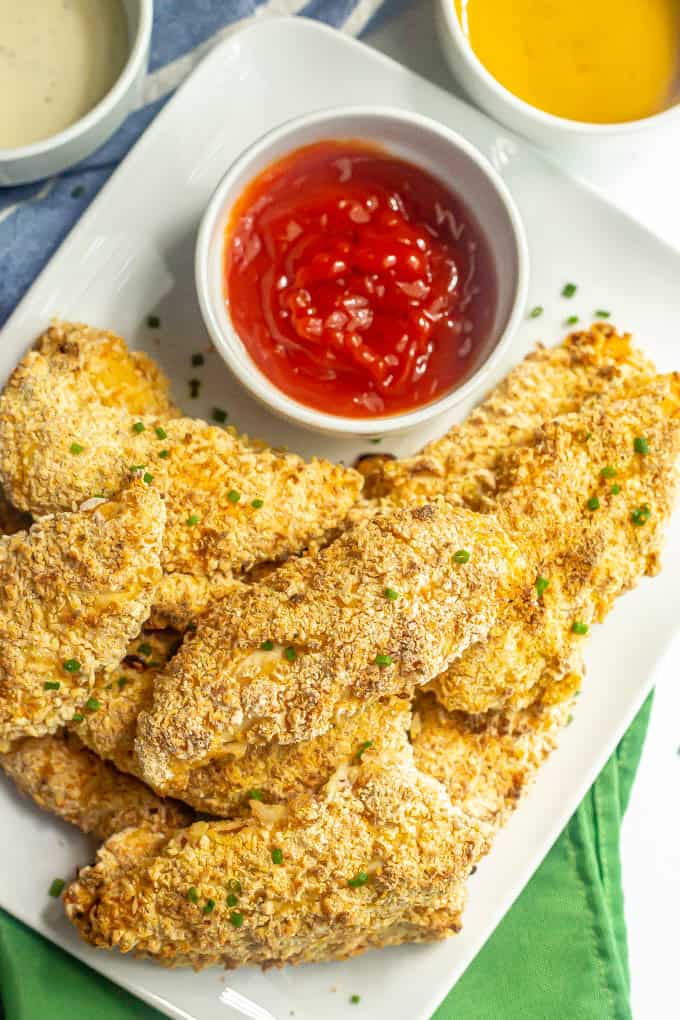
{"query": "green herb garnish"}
{"type": "Point", "coordinates": [192, 894]}
{"type": "Point", "coordinates": [461, 556]}
{"type": "Point", "coordinates": [236, 918]}
{"type": "Point", "coordinates": [257, 504]}
{"type": "Point", "coordinates": [51, 685]}
{"type": "Point", "coordinates": [391, 594]}
{"type": "Point", "coordinates": [569, 290]}
{"type": "Point", "coordinates": [277, 855]}
{"type": "Point", "coordinates": [219, 415]}
{"type": "Point", "coordinates": [579, 628]}
{"type": "Point", "coordinates": [593, 503]}
{"type": "Point", "coordinates": [92, 704]}
{"type": "Point", "coordinates": [161, 433]}
{"type": "Point", "coordinates": [541, 584]}
{"type": "Point", "coordinates": [76, 448]}
{"type": "Point", "coordinates": [290, 653]}
{"type": "Point", "coordinates": [57, 887]}
{"type": "Point", "coordinates": [364, 746]}
{"type": "Point", "coordinates": [383, 660]}
{"type": "Point", "coordinates": [233, 496]}
{"type": "Point", "coordinates": [139, 426]}
{"type": "Point", "coordinates": [640, 445]}
{"type": "Point", "coordinates": [536, 312]}
{"type": "Point", "coordinates": [72, 666]}
{"type": "Point", "coordinates": [361, 878]}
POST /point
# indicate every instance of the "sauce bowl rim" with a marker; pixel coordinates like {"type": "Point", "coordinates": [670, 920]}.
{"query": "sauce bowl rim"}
{"type": "Point", "coordinates": [233, 350]}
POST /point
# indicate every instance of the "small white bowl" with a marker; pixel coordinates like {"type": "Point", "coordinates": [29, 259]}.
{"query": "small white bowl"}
{"type": "Point", "coordinates": [54, 154]}
{"type": "Point", "coordinates": [545, 129]}
{"type": "Point", "coordinates": [434, 148]}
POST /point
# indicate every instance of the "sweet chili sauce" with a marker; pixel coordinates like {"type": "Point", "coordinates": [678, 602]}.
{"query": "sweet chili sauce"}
{"type": "Point", "coordinates": [359, 284]}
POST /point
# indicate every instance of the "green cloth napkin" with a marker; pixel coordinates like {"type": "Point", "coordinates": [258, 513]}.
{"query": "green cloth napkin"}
{"type": "Point", "coordinates": [559, 952]}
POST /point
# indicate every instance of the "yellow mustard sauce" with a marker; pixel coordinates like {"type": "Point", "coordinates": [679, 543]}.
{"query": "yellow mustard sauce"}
{"type": "Point", "coordinates": [600, 61]}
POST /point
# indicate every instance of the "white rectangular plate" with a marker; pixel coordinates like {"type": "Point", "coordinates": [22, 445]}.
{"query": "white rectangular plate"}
{"type": "Point", "coordinates": [131, 254]}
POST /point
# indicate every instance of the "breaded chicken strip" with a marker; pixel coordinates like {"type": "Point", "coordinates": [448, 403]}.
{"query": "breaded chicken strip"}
{"type": "Point", "coordinates": [66, 436]}
{"type": "Point", "coordinates": [226, 785]}
{"type": "Point", "coordinates": [549, 382]}
{"type": "Point", "coordinates": [74, 589]}
{"type": "Point", "coordinates": [591, 496]}
{"type": "Point", "coordinates": [379, 858]}
{"type": "Point", "coordinates": [383, 608]}
{"type": "Point", "coordinates": [486, 762]}
{"type": "Point", "coordinates": [63, 777]}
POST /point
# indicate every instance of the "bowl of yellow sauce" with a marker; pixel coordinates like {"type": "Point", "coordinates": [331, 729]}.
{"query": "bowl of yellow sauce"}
{"type": "Point", "coordinates": [560, 71]}
{"type": "Point", "coordinates": [70, 71]}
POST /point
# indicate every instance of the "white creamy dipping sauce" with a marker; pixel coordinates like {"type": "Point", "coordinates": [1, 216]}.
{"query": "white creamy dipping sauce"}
{"type": "Point", "coordinates": [58, 58]}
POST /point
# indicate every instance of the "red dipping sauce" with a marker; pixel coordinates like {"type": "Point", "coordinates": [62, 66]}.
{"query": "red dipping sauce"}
{"type": "Point", "coordinates": [359, 284]}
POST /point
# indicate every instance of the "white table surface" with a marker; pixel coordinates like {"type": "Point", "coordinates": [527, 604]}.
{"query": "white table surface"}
{"type": "Point", "coordinates": [647, 184]}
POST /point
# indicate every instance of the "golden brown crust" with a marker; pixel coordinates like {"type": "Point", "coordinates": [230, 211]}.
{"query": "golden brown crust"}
{"type": "Point", "coordinates": [332, 612]}
{"type": "Point", "coordinates": [63, 777]}
{"type": "Point", "coordinates": [549, 382]}
{"type": "Point", "coordinates": [231, 503]}
{"type": "Point", "coordinates": [588, 556]}
{"type": "Point", "coordinates": [75, 588]}
{"type": "Point", "coordinates": [395, 824]}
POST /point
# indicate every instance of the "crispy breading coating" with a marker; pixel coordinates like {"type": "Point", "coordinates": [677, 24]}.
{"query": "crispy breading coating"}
{"type": "Point", "coordinates": [594, 534]}
{"type": "Point", "coordinates": [63, 777]}
{"type": "Point", "coordinates": [486, 762]}
{"type": "Point", "coordinates": [120, 693]}
{"type": "Point", "coordinates": [548, 382]}
{"type": "Point", "coordinates": [75, 588]}
{"type": "Point", "coordinates": [333, 638]}
{"type": "Point", "coordinates": [67, 434]}
{"type": "Point", "coordinates": [379, 858]}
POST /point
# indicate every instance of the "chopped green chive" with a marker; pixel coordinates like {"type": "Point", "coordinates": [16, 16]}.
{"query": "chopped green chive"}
{"type": "Point", "coordinates": [640, 515]}
{"type": "Point", "coordinates": [267, 646]}
{"type": "Point", "coordinates": [355, 999]}
{"type": "Point", "coordinates": [122, 681]}
{"type": "Point", "coordinates": [77, 191]}
{"type": "Point", "coordinates": [236, 918]}
{"type": "Point", "coordinates": [571, 320]}
{"type": "Point", "coordinates": [383, 661]}
{"type": "Point", "coordinates": [164, 454]}
{"type": "Point", "coordinates": [233, 496]}
{"type": "Point", "coordinates": [536, 312]}
{"type": "Point", "coordinates": [608, 472]}
{"type": "Point", "coordinates": [587, 436]}
{"type": "Point", "coordinates": [601, 313]}
{"type": "Point", "coordinates": [197, 360]}
{"type": "Point", "coordinates": [72, 666]}
{"type": "Point", "coordinates": [570, 720]}
{"type": "Point", "coordinates": [593, 503]}
{"type": "Point", "coordinates": [192, 520]}
{"type": "Point", "coordinates": [364, 746]}
{"type": "Point", "coordinates": [234, 885]}
{"type": "Point", "coordinates": [161, 433]}
{"type": "Point", "coordinates": [569, 290]}
{"type": "Point", "coordinates": [277, 855]}
{"type": "Point", "coordinates": [136, 467]}
{"type": "Point", "coordinates": [257, 504]}
{"type": "Point", "coordinates": [219, 415]}
{"type": "Point", "coordinates": [376, 440]}
{"type": "Point", "coordinates": [152, 321]}
{"type": "Point", "coordinates": [92, 704]}
{"type": "Point", "coordinates": [194, 387]}
{"type": "Point", "coordinates": [78, 717]}
{"type": "Point", "coordinates": [51, 685]}
{"type": "Point", "coordinates": [139, 426]}
{"type": "Point", "coordinates": [541, 584]}
{"type": "Point", "coordinates": [57, 887]}
{"type": "Point", "coordinates": [209, 906]}
{"type": "Point", "coordinates": [461, 556]}
{"type": "Point", "coordinates": [147, 477]}
{"type": "Point", "coordinates": [391, 594]}
{"type": "Point", "coordinates": [579, 628]}
{"type": "Point", "coordinates": [192, 894]}
{"type": "Point", "coordinates": [76, 448]}
{"type": "Point", "coordinates": [615, 489]}
{"type": "Point", "coordinates": [232, 900]}
{"type": "Point", "coordinates": [255, 795]}
{"type": "Point", "coordinates": [640, 445]}
{"type": "Point", "coordinates": [290, 653]}
{"type": "Point", "coordinates": [144, 649]}
{"type": "Point", "coordinates": [361, 878]}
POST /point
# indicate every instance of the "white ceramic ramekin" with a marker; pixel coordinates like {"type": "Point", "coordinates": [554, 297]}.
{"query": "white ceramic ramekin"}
{"type": "Point", "coordinates": [421, 141]}
{"type": "Point", "coordinates": [545, 129]}
{"type": "Point", "coordinates": [51, 155]}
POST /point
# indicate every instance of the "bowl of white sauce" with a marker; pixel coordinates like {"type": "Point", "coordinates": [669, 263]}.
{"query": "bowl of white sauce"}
{"type": "Point", "coordinates": [70, 72]}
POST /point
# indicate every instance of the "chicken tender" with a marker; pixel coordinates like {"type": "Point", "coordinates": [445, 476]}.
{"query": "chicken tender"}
{"type": "Point", "coordinates": [75, 588]}
{"type": "Point", "coordinates": [591, 496]}
{"type": "Point", "coordinates": [63, 777]}
{"type": "Point", "coordinates": [379, 858]}
{"type": "Point", "coordinates": [549, 382]}
{"type": "Point", "coordinates": [385, 607]}
{"type": "Point", "coordinates": [66, 435]}
{"type": "Point", "coordinates": [486, 762]}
